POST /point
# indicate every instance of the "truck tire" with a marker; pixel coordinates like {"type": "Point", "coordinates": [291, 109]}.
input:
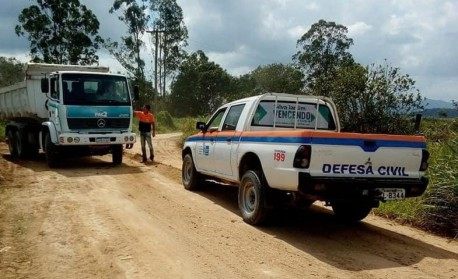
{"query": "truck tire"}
{"type": "Point", "coordinates": [116, 153]}
{"type": "Point", "coordinates": [52, 157]}
{"type": "Point", "coordinates": [12, 144]}
{"type": "Point", "coordinates": [190, 177]}
{"type": "Point", "coordinates": [21, 145]}
{"type": "Point", "coordinates": [253, 198]}
{"type": "Point", "coordinates": [351, 211]}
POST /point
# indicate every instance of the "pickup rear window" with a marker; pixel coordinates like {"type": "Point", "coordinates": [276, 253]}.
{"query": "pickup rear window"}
{"type": "Point", "coordinates": [284, 115]}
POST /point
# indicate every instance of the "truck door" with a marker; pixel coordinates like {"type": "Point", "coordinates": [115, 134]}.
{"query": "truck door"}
{"type": "Point", "coordinates": [225, 141]}
{"type": "Point", "coordinates": [205, 147]}
{"type": "Point", "coordinates": [52, 103]}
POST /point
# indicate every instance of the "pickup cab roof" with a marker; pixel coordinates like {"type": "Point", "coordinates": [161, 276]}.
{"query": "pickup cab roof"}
{"type": "Point", "coordinates": [290, 98]}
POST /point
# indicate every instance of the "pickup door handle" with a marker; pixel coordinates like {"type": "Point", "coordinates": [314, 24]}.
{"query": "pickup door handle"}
{"type": "Point", "coordinates": [229, 140]}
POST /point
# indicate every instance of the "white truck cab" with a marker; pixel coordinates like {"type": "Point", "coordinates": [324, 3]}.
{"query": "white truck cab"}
{"type": "Point", "coordinates": [280, 146]}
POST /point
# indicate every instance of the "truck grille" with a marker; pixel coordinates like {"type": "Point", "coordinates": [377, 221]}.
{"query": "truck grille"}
{"type": "Point", "coordinates": [94, 123]}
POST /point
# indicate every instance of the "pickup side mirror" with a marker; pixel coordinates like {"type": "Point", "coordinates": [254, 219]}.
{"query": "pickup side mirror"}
{"type": "Point", "coordinates": [44, 85]}
{"type": "Point", "coordinates": [201, 126]}
{"type": "Point", "coordinates": [136, 93]}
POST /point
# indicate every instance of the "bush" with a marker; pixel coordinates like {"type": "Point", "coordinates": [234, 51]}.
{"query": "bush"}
{"type": "Point", "coordinates": [165, 119]}
{"type": "Point", "coordinates": [187, 126]}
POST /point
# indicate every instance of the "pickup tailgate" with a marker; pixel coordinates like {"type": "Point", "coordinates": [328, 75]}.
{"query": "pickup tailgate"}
{"type": "Point", "coordinates": [365, 155]}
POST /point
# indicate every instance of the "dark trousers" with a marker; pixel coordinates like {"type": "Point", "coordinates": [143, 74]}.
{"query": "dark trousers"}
{"type": "Point", "coordinates": [146, 138]}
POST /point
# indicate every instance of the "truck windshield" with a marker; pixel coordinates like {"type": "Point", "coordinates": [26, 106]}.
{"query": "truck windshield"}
{"type": "Point", "coordinates": [87, 89]}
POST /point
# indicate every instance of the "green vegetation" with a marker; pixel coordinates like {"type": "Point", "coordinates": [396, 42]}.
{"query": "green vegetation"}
{"type": "Point", "coordinates": [437, 209]}
{"type": "Point", "coordinates": [2, 130]}
{"type": "Point", "coordinates": [50, 28]}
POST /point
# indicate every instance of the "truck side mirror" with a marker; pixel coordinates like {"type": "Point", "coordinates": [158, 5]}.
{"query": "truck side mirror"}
{"type": "Point", "coordinates": [136, 93]}
{"type": "Point", "coordinates": [201, 126]}
{"type": "Point", "coordinates": [44, 85]}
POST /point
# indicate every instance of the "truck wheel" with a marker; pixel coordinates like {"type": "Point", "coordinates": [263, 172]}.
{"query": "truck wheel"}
{"type": "Point", "coordinates": [116, 152]}
{"type": "Point", "coordinates": [52, 157]}
{"type": "Point", "coordinates": [12, 144]}
{"type": "Point", "coordinates": [351, 212]}
{"type": "Point", "coordinates": [20, 145]}
{"type": "Point", "coordinates": [190, 177]}
{"type": "Point", "coordinates": [253, 198]}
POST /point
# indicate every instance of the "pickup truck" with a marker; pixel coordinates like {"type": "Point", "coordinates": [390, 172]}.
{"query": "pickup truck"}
{"type": "Point", "coordinates": [289, 148]}
{"type": "Point", "coordinates": [68, 111]}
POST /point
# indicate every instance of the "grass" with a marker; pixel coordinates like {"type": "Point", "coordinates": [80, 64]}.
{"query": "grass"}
{"type": "Point", "coordinates": [2, 130]}
{"type": "Point", "coordinates": [165, 123]}
{"type": "Point", "coordinates": [437, 209]}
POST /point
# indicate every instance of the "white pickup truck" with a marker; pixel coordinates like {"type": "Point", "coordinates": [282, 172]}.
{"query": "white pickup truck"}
{"type": "Point", "coordinates": [280, 147]}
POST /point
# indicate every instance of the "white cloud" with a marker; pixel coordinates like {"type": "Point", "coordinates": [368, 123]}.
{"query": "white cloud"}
{"type": "Point", "coordinates": [313, 6]}
{"type": "Point", "coordinates": [297, 31]}
{"type": "Point", "coordinates": [358, 28]}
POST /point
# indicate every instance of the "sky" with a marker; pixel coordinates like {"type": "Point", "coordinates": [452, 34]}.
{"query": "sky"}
{"type": "Point", "coordinates": [419, 36]}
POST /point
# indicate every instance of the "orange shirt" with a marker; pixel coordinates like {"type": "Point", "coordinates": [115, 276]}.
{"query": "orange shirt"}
{"type": "Point", "coordinates": [145, 117]}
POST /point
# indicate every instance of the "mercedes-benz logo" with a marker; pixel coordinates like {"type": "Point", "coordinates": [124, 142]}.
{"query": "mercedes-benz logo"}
{"type": "Point", "coordinates": [101, 123]}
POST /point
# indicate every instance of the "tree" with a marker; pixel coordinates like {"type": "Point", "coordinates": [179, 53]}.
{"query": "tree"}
{"type": "Point", "coordinates": [135, 17]}
{"type": "Point", "coordinates": [375, 99]}
{"type": "Point", "coordinates": [62, 32]}
{"type": "Point", "coordinates": [169, 20]}
{"type": "Point", "coordinates": [11, 71]}
{"type": "Point", "coordinates": [200, 86]}
{"type": "Point", "coordinates": [321, 51]}
{"type": "Point", "coordinates": [278, 78]}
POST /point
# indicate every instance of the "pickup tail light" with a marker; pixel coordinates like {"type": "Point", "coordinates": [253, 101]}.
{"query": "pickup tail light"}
{"type": "Point", "coordinates": [302, 157]}
{"type": "Point", "coordinates": [424, 160]}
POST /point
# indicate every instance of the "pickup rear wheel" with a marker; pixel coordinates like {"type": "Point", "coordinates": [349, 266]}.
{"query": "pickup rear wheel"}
{"type": "Point", "coordinates": [351, 212]}
{"type": "Point", "coordinates": [252, 198]}
{"type": "Point", "coordinates": [190, 177]}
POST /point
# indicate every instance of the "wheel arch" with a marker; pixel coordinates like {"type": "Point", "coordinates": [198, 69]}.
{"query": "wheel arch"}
{"type": "Point", "coordinates": [186, 150]}
{"type": "Point", "coordinates": [48, 127]}
{"type": "Point", "coordinates": [249, 161]}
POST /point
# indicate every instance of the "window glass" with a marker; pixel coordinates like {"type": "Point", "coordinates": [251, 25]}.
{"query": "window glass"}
{"type": "Point", "coordinates": [54, 88]}
{"type": "Point", "coordinates": [232, 118]}
{"type": "Point", "coordinates": [285, 115]}
{"type": "Point", "coordinates": [94, 89]}
{"type": "Point", "coordinates": [216, 120]}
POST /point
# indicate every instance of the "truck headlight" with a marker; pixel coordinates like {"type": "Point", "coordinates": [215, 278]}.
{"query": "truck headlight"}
{"type": "Point", "coordinates": [126, 138]}
{"type": "Point", "coordinates": [76, 140]}
{"type": "Point", "coordinates": [131, 138]}
{"type": "Point", "coordinates": [69, 139]}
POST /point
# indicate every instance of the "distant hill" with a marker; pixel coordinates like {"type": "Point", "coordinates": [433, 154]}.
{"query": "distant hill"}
{"type": "Point", "coordinates": [436, 104]}
{"type": "Point", "coordinates": [440, 112]}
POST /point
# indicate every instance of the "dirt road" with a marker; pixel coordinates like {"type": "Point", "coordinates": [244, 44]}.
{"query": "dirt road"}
{"type": "Point", "coordinates": [89, 219]}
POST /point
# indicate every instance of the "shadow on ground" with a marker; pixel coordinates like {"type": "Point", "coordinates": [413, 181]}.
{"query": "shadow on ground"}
{"type": "Point", "coordinates": [358, 247]}
{"type": "Point", "coordinates": [76, 167]}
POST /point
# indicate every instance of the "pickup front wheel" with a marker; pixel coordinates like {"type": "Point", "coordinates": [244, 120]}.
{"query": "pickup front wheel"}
{"type": "Point", "coordinates": [253, 198]}
{"type": "Point", "coordinates": [189, 175]}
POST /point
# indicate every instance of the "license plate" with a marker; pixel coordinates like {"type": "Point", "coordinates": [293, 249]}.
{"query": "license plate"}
{"type": "Point", "coordinates": [390, 194]}
{"type": "Point", "coordinates": [102, 140]}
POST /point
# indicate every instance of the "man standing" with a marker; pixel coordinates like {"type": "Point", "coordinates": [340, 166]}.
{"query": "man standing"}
{"type": "Point", "coordinates": [146, 122]}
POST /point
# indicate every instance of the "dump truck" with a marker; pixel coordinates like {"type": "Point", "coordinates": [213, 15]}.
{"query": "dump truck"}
{"type": "Point", "coordinates": [68, 111]}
